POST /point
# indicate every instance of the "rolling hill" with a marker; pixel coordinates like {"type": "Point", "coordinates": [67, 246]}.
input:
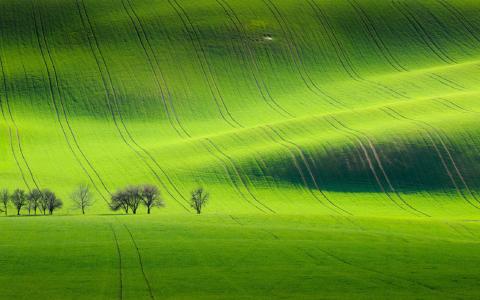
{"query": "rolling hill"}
{"type": "Point", "coordinates": [363, 111]}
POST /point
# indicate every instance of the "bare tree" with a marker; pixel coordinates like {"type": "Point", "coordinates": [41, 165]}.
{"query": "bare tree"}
{"type": "Point", "coordinates": [134, 197]}
{"type": "Point", "coordinates": [34, 198]}
{"type": "Point", "coordinates": [43, 202]}
{"type": "Point", "coordinates": [82, 198]}
{"type": "Point", "coordinates": [120, 201]}
{"type": "Point", "coordinates": [52, 202]}
{"type": "Point", "coordinates": [199, 199]}
{"type": "Point", "coordinates": [19, 200]}
{"type": "Point", "coordinates": [151, 197]}
{"type": "Point", "coordinates": [4, 199]}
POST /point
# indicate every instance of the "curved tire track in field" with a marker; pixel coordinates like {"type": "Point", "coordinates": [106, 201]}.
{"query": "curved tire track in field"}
{"type": "Point", "coordinates": [53, 84]}
{"type": "Point", "coordinates": [148, 50]}
{"type": "Point", "coordinates": [232, 179]}
{"type": "Point", "coordinates": [140, 261]}
{"type": "Point", "coordinates": [19, 143]}
{"type": "Point", "coordinates": [424, 125]}
{"type": "Point", "coordinates": [289, 146]}
{"type": "Point", "coordinates": [207, 72]}
{"type": "Point", "coordinates": [249, 57]}
{"type": "Point", "coordinates": [297, 58]}
{"type": "Point", "coordinates": [238, 173]}
{"type": "Point", "coordinates": [375, 36]}
{"type": "Point", "coordinates": [120, 267]}
{"type": "Point", "coordinates": [154, 65]}
{"type": "Point", "coordinates": [342, 54]}
{"type": "Point", "coordinates": [376, 156]}
{"type": "Point", "coordinates": [403, 8]}
{"type": "Point", "coordinates": [147, 45]}
{"type": "Point", "coordinates": [461, 18]}
{"type": "Point", "coordinates": [111, 96]}
{"type": "Point", "coordinates": [387, 54]}
{"type": "Point", "coordinates": [344, 261]}
{"type": "Point", "coordinates": [356, 140]}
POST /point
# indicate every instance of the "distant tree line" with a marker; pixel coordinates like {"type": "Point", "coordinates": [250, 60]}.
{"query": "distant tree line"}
{"type": "Point", "coordinates": [127, 199]}
{"type": "Point", "coordinates": [44, 201]}
{"type": "Point", "coordinates": [131, 197]}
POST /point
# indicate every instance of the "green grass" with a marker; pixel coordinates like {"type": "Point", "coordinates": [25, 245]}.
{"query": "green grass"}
{"type": "Point", "coordinates": [239, 257]}
{"type": "Point", "coordinates": [352, 135]}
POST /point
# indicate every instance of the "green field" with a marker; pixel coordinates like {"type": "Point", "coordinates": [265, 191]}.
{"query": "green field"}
{"type": "Point", "coordinates": [339, 140]}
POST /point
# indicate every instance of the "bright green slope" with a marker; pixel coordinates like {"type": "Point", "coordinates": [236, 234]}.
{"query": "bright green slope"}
{"type": "Point", "coordinates": [365, 111]}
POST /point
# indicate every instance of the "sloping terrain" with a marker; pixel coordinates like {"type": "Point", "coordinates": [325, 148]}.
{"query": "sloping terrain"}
{"type": "Point", "coordinates": [339, 140]}
{"type": "Point", "coordinates": [274, 106]}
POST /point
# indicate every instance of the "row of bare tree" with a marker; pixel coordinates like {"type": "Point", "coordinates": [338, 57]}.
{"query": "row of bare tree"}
{"type": "Point", "coordinates": [128, 199]}
{"type": "Point", "coordinates": [36, 200]}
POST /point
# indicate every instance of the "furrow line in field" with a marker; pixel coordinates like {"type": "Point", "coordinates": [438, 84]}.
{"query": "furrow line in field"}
{"type": "Point", "coordinates": [337, 47]}
{"type": "Point", "coordinates": [216, 148]}
{"type": "Point", "coordinates": [207, 72]}
{"type": "Point", "coordinates": [238, 172]}
{"type": "Point", "coordinates": [356, 140]}
{"type": "Point", "coordinates": [394, 114]}
{"type": "Point", "coordinates": [297, 167]}
{"type": "Point", "coordinates": [155, 68]}
{"type": "Point", "coordinates": [341, 53]}
{"type": "Point", "coordinates": [461, 18]}
{"type": "Point", "coordinates": [120, 267]}
{"type": "Point", "coordinates": [54, 84]}
{"type": "Point", "coordinates": [447, 82]}
{"type": "Point", "coordinates": [297, 58]}
{"type": "Point", "coordinates": [140, 261]}
{"type": "Point", "coordinates": [111, 96]}
{"type": "Point", "coordinates": [422, 33]}
{"type": "Point", "coordinates": [455, 106]}
{"type": "Point", "coordinates": [17, 162]}
{"type": "Point", "coordinates": [289, 145]}
{"type": "Point", "coordinates": [248, 55]}
{"type": "Point", "coordinates": [231, 178]}
{"type": "Point", "coordinates": [389, 56]}
{"type": "Point", "coordinates": [444, 29]}
{"type": "Point", "coordinates": [376, 156]}
{"type": "Point", "coordinates": [356, 266]}
{"type": "Point", "coordinates": [374, 35]}
{"type": "Point", "coordinates": [438, 134]}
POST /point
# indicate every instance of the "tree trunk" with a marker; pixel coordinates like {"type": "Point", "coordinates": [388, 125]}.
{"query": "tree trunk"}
{"type": "Point", "coordinates": [18, 211]}
{"type": "Point", "coordinates": [148, 210]}
{"type": "Point", "coordinates": [83, 210]}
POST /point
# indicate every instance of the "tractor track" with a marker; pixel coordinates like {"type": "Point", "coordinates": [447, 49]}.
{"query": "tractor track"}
{"type": "Point", "coordinates": [376, 158]}
{"type": "Point", "coordinates": [421, 32]}
{"type": "Point", "coordinates": [154, 65]}
{"type": "Point", "coordinates": [297, 58]}
{"type": "Point", "coordinates": [19, 144]}
{"type": "Point", "coordinates": [54, 85]}
{"type": "Point", "coordinates": [342, 55]}
{"type": "Point", "coordinates": [248, 55]}
{"type": "Point", "coordinates": [140, 261]}
{"type": "Point", "coordinates": [438, 133]}
{"type": "Point", "coordinates": [111, 96]}
{"type": "Point", "coordinates": [120, 264]}
{"type": "Point", "coordinates": [356, 140]}
{"type": "Point", "coordinates": [207, 71]}
{"type": "Point", "coordinates": [289, 145]}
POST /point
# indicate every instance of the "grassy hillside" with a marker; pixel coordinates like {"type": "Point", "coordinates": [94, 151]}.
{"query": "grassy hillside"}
{"type": "Point", "coordinates": [361, 112]}
{"type": "Point", "coordinates": [274, 106]}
